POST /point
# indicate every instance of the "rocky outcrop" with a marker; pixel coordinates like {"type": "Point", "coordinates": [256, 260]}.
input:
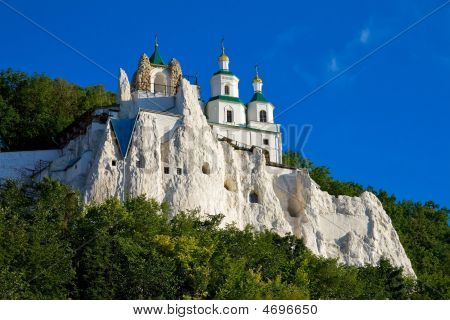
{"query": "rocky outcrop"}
{"type": "Point", "coordinates": [192, 169]}
{"type": "Point", "coordinates": [124, 87]}
{"type": "Point", "coordinates": [175, 75]}
{"type": "Point", "coordinates": [142, 77]}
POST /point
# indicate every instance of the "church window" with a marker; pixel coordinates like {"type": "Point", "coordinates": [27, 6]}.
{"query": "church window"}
{"type": "Point", "coordinates": [160, 84]}
{"type": "Point", "coordinates": [229, 116]}
{"type": "Point", "coordinates": [266, 142]}
{"type": "Point", "coordinates": [227, 90]}
{"type": "Point", "coordinates": [253, 197]}
{"type": "Point", "coordinates": [166, 170]}
{"type": "Point", "coordinates": [114, 163]}
{"type": "Point", "coordinates": [263, 116]}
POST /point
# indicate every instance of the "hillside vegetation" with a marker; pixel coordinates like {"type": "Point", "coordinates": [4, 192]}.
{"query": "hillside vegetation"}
{"type": "Point", "coordinates": [54, 248]}
{"type": "Point", "coordinates": [422, 227]}
{"type": "Point", "coordinates": [35, 109]}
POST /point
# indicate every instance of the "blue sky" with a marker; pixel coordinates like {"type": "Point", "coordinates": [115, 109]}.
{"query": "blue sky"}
{"type": "Point", "coordinates": [383, 123]}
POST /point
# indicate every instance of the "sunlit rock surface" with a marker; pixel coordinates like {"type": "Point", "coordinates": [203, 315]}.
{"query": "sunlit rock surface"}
{"type": "Point", "coordinates": [191, 169]}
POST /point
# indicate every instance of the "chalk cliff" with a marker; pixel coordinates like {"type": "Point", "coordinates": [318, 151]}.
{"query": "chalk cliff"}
{"type": "Point", "coordinates": [192, 169]}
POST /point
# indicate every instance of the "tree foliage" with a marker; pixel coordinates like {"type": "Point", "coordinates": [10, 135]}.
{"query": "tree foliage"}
{"type": "Point", "coordinates": [35, 109]}
{"type": "Point", "coordinates": [54, 248]}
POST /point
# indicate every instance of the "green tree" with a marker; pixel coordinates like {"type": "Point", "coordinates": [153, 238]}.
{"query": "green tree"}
{"type": "Point", "coordinates": [35, 252]}
{"type": "Point", "coordinates": [54, 247]}
{"type": "Point", "coordinates": [35, 109]}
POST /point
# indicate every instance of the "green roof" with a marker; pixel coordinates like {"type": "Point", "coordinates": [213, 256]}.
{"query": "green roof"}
{"type": "Point", "coordinates": [226, 98]}
{"type": "Point", "coordinates": [258, 96]}
{"type": "Point", "coordinates": [156, 58]}
{"type": "Point", "coordinates": [224, 72]}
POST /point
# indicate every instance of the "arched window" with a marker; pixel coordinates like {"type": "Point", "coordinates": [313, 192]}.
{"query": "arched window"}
{"type": "Point", "coordinates": [160, 84]}
{"type": "Point", "coordinates": [227, 90]}
{"type": "Point", "coordinates": [229, 115]}
{"type": "Point", "coordinates": [263, 116]}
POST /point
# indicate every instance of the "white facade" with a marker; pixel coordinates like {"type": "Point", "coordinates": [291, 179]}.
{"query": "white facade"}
{"type": "Point", "coordinates": [226, 112]}
{"type": "Point", "coordinates": [16, 165]}
{"type": "Point", "coordinates": [224, 84]}
{"type": "Point", "coordinates": [255, 111]}
{"type": "Point", "coordinates": [248, 126]}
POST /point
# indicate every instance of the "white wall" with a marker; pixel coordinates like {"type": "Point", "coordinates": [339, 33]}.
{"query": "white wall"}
{"type": "Point", "coordinates": [15, 164]}
{"type": "Point", "coordinates": [212, 111]}
{"type": "Point", "coordinates": [255, 107]}
{"type": "Point", "coordinates": [248, 138]}
{"type": "Point", "coordinates": [218, 83]}
{"type": "Point", "coordinates": [217, 112]}
{"type": "Point", "coordinates": [144, 101]}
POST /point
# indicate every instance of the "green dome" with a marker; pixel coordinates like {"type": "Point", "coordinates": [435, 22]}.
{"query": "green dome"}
{"type": "Point", "coordinates": [258, 96]}
{"type": "Point", "coordinates": [156, 58]}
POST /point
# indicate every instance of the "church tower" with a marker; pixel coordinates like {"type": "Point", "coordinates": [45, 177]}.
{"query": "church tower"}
{"type": "Point", "coordinates": [259, 108]}
{"type": "Point", "coordinates": [225, 106]}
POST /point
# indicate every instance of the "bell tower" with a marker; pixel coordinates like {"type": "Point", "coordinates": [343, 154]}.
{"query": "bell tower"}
{"type": "Point", "coordinates": [225, 106]}
{"type": "Point", "coordinates": [259, 108]}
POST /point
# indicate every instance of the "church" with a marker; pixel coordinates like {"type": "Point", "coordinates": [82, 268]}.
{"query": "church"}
{"type": "Point", "coordinates": [154, 87]}
{"type": "Point", "coordinates": [222, 157]}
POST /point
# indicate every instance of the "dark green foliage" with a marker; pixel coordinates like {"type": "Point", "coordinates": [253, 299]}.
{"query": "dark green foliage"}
{"type": "Point", "coordinates": [52, 247]}
{"type": "Point", "coordinates": [322, 176]}
{"type": "Point", "coordinates": [425, 234]}
{"type": "Point", "coordinates": [35, 109]}
{"type": "Point", "coordinates": [35, 254]}
{"type": "Point", "coordinates": [423, 230]}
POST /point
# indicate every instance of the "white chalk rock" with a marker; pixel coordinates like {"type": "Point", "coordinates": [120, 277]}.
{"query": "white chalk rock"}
{"type": "Point", "coordinates": [216, 178]}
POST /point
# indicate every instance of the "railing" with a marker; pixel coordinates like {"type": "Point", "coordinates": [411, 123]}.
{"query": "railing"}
{"type": "Point", "coordinates": [163, 89]}
{"type": "Point", "coordinates": [40, 166]}
{"type": "Point", "coordinates": [159, 89]}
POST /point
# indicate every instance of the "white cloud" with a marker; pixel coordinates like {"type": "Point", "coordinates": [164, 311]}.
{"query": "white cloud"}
{"type": "Point", "coordinates": [364, 36]}
{"type": "Point", "coordinates": [333, 65]}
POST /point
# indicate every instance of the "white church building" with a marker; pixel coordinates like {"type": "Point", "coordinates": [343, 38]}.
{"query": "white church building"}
{"type": "Point", "coordinates": [154, 89]}
{"type": "Point", "coordinates": [250, 124]}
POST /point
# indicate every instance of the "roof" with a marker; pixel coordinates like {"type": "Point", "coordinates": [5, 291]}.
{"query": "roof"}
{"type": "Point", "coordinates": [123, 128]}
{"type": "Point", "coordinates": [223, 57]}
{"type": "Point", "coordinates": [258, 96]}
{"type": "Point", "coordinates": [226, 98]}
{"type": "Point", "coordinates": [156, 58]}
{"type": "Point", "coordinates": [224, 72]}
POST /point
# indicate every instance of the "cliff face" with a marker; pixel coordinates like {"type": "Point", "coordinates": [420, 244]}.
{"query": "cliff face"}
{"type": "Point", "coordinates": [215, 178]}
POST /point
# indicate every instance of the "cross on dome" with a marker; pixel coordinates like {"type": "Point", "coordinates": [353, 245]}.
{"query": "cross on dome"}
{"type": "Point", "coordinates": [156, 58]}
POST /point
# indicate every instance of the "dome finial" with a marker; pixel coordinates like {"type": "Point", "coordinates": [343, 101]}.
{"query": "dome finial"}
{"type": "Point", "coordinates": [257, 82]}
{"type": "Point", "coordinates": [223, 45]}
{"type": "Point", "coordinates": [256, 78]}
{"type": "Point", "coordinates": [223, 57]}
{"type": "Point", "coordinates": [155, 57]}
